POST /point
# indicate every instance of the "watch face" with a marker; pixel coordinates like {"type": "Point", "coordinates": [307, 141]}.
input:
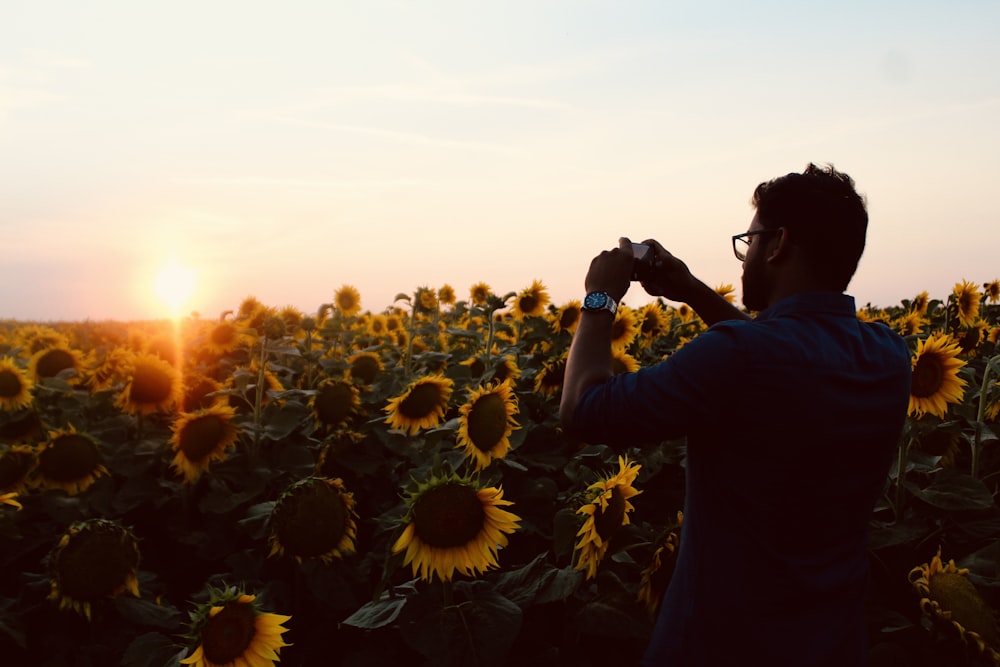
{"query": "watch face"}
{"type": "Point", "coordinates": [595, 300]}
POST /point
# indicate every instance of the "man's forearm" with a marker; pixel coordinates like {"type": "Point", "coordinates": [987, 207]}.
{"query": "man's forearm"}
{"type": "Point", "coordinates": [711, 306]}
{"type": "Point", "coordinates": [589, 361]}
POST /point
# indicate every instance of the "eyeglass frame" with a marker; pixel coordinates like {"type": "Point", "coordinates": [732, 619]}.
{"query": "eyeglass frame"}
{"type": "Point", "coordinates": [744, 236]}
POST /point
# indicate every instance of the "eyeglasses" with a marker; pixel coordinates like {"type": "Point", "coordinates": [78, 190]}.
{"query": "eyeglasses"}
{"type": "Point", "coordinates": [741, 242]}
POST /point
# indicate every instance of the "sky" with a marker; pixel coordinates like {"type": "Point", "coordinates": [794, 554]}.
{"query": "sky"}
{"type": "Point", "coordinates": [283, 150]}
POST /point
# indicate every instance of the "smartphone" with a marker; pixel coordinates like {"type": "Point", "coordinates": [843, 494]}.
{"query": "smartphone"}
{"type": "Point", "coordinates": [643, 263]}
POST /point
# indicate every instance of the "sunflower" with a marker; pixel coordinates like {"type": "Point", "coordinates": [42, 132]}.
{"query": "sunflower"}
{"type": "Point", "coordinates": [623, 362]}
{"type": "Point", "coordinates": [947, 596]}
{"type": "Point", "coordinates": [656, 575]}
{"type": "Point", "coordinates": [15, 386]}
{"type": "Point", "coordinates": [421, 406]}
{"type": "Point", "coordinates": [347, 299]}
{"type": "Point", "coordinates": [152, 386]}
{"type": "Point", "coordinates": [246, 380]}
{"type": "Point", "coordinates": [684, 312]}
{"type": "Point", "coordinates": [37, 337]}
{"type": "Point", "coordinates": [343, 445]}
{"type": "Point", "coordinates": [95, 560]}
{"type": "Point", "coordinates": [624, 329]}
{"type": "Point", "coordinates": [454, 524]}
{"type": "Point", "coordinates": [365, 367]}
{"type": "Point", "coordinates": [652, 320]}
{"type": "Point", "coordinates": [15, 465]}
{"type": "Point", "coordinates": [224, 336]}
{"type": "Point", "coordinates": [165, 347]}
{"type": "Point", "coordinates": [486, 422]}
{"type": "Point", "coordinates": [69, 461]}
{"type": "Point", "coordinates": [727, 292]}
{"type": "Point", "coordinates": [567, 318]}
{"type": "Point", "coordinates": [606, 512]}
{"type": "Point", "coordinates": [506, 369]}
{"type": "Point", "coordinates": [202, 437]}
{"type": "Point", "coordinates": [314, 518]}
{"type": "Point", "coordinates": [971, 336]}
{"type": "Point", "coordinates": [197, 393]}
{"type": "Point", "coordinates": [991, 291]}
{"type": "Point", "coordinates": [531, 301]}
{"type": "Point", "coordinates": [334, 402]}
{"type": "Point", "coordinates": [920, 303]}
{"type": "Point", "coordinates": [378, 325]}
{"type": "Point", "coordinates": [550, 378]}
{"type": "Point", "coordinates": [52, 361]}
{"type": "Point", "coordinates": [446, 295]}
{"type": "Point", "coordinates": [8, 499]}
{"type": "Point", "coordinates": [112, 370]}
{"type": "Point", "coordinates": [966, 297]}
{"type": "Point", "coordinates": [935, 382]}
{"type": "Point", "coordinates": [909, 324]}
{"type": "Point", "coordinates": [22, 428]}
{"type": "Point", "coordinates": [479, 293]}
{"type": "Point", "coordinates": [230, 631]}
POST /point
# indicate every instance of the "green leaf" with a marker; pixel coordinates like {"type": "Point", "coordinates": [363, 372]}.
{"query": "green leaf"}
{"type": "Point", "coordinates": [153, 650]}
{"type": "Point", "coordinates": [953, 490]}
{"type": "Point", "coordinates": [565, 525]}
{"type": "Point", "coordinates": [538, 582]}
{"type": "Point", "coordinates": [146, 612]}
{"type": "Point", "coordinates": [380, 613]}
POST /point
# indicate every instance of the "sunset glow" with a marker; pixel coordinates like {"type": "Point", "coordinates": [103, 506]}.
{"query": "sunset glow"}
{"type": "Point", "coordinates": [174, 285]}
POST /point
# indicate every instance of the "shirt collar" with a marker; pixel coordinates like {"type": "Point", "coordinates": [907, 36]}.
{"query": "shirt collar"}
{"type": "Point", "coordinates": [831, 303]}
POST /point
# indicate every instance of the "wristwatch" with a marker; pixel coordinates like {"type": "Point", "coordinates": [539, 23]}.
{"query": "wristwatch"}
{"type": "Point", "coordinates": [599, 301]}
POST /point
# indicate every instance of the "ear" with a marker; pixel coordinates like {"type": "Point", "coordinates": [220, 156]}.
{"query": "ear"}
{"type": "Point", "coordinates": [781, 248]}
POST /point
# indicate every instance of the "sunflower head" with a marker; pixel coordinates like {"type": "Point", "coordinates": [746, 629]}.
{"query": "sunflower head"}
{"type": "Point", "coordinates": [365, 367]}
{"type": "Point", "coordinates": [965, 298]}
{"type": "Point", "coordinates": [479, 293]}
{"type": "Point", "coordinates": [605, 512]}
{"type": "Point", "coordinates": [53, 361]}
{"type": "Point", "coordinates": [69, 461]}
{"type": "Point", "coordinates": [655, 577]}
{"type": "Point", "coordinates": [727, 292]}
{"type": "Point", "coordinates": [947, 596]}
{"type": "Point", "coordinates": [652, 321]}
{"type": "Point", "coordinates": [531, 301]}
{"type": "Point", "coordinates": [153, 386]}
{"type": "Point", "coordinates": [909, 324]}
{"type": "Point", "coordinates": [95, 560]}
{"type": "Point", "coordinates": [314, 518]}
{"type": "Point", "coordinates": [550, 378]}
{"type": "Point", "coordinates": [231, 630]}
{"type": "Point", "coordinates": [16, 464]}
{"type": "Point", "coordinates": [567, 318]}
{"type": "Point", "coordinates": [347, 299]}
{"type": "Point", "coordinates": [335, 402]}
{"type": "Point", "coordinates": [486, 422]}
{"type": "Point", "coordinates": [935, 382]}
{"type": "Point", "coordinates": [421, 406]}
{"type": "Point", "coordinates": [224, 336]}
{"type": "Point", "coordinates": [201, 437]}
{"type": "Point", "coordinates": [15, 386]}
{"type": "Point", "coordinates": [623, 362]}
{"type": "Point", "coordinates": [624, 329]}
{"type": "Point", "coordinates": [991, 291]}
{"type": "Point", "coordinates": [969, 337]}
{"type": "Point", "coordinates": [920, 303]}
{"type": "Point", "coordinates": [454, 525]}
{"type": "Point", "coordinates": [36, 337]}
{"type": "Point", "coordinates": [446, 295]}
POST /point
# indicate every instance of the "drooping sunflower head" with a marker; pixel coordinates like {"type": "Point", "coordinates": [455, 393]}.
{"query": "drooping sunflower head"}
{"type": "Point", "coordinates": [69, 461]}
{"type": "Point", "coordinates": [334, 403]}
{"type": "Point", "coordinates": [567, 318]}
{"type": "Point", "coordinates": [624, 329]}
{"type": "Point", "coordinates": [314, 518]}
{"type": "Point", "coordinates": [606, 511]}
{"type": "Point", "coordinates": [550, 378]}
{"type": "Point", "coordinates": [454, 525]}
{"type": "Point", "coordinates": [479, 293]}
{"type": "Point", "coordinates": [655, 577]}
{"type": "Point", "coordinates": [486, 422]}
{"type": "Point", "coordinates": [991, 291]}
{"type": "Point", "coordinates": [966, 297]}
{"type": "Point", "coordinates": [343, 445]}
{"type": "Point", "coordinates": [94, 560]}
{"type": "Point", "coordinates": [231, 630]}
{"type": "Point", "coordinates": [347, 299]}
{"type": "Point", "coordinates": [531, 301]}
{"type": "Point", "coordinates": [15, 465]}
{"type": "Point", "coordinates": [15, 386]}
{"type": "Point", "coordinates": [365, 367]}
{"type": "Point", "coordinates": [421, 406]}
{"type": "Point", "coordinates": [920, 303]}
{"type": "Point", "coordinates": [152, 386]}
{"type": "Point", "coordinates": [947, 596]}
{"type": "Point", "coordinates": [201, 437]}
{"type": "Point", "coordinates": [935, 382]}
{"type": "Point", "coordinates": [51, 361]}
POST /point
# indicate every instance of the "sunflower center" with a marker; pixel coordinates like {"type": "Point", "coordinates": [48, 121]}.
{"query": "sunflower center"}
{"type": "Point", "coordinates": [422, 401]}
{"type": "Point", "coordinates": [619, 329]}
{"type": "Point", "coordinates": [568, 318]}
{"type": "Point", "coordinates": [928, 375]}
{"type": "Point", "coordinates": [956, 594]}
{"type": "Point", "coordinates": [201, 436]}
{"type": "Point", "coordinates": [488, 421]}
{"type": "Point", "coordinates": [150, 385]}
{"type": "Point", "coordinates": [53, 362]}
{"type": "Point", "coordinates": [10, 384]}
{"type": "Point", "coordinates": [527, 303]}
{"type": "Point", "coordinates": [365, 369]}
{"type": "Point", "coordinates": [609, 519]}
{"type": "Point", "coordinates": [449, 515]}
{"type": "Point", "coordinates": [333, 403]}
{"type": "Point", "coordinates": [71, 457]}
{"type": "Point", "coordinates": [311, 520]}
{"type": "Point", "coordinates": [95, 563]}
{"type": "Point", "coordinates": [228, 634]}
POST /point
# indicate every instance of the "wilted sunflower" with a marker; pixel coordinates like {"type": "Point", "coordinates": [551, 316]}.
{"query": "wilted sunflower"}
{"type": "Point", "coordinates": [947, 596]}
{"type": "Point", "coordinates": [479, 293]}
{"type": "Point", "coordinates": [314, 518]}
{"type": "Point", "coordinates": [550, 378]}
{"type": "Point", "coordinates": [15, 386]}
{"type": "Point", "coordinates": [15, 464]}
{"type": "Point", "coordinates": [202, 437]}
{"type": "Point", "coordinates": [95, 560]}
{"type": "Point", "coordinates": [230, 631]}
{"type": "Point", "coordinates": [727, 292]}
{"type": "Point", "coordinates": [334, 403]}
{"type": "Point", "coordinates": [347, 299]}
{"type": "Point", "coordinates": [454, 524]}
{"type": "Point", "coordinates": [446, 295]}
{"type": "Point", "coordinates": [365, 367]}
{"type": "Point", "coordinates": [991, 291]}
{"type": "Point", "coordinates": [531, 301]}
{"type": "Point", "coordinates": [486, 422]}
{"type": "Point", "coordinates": [567, 318]}
{"type": "Point", "coordinates": [153, 386]}
{"type": "Point", "coordinates": [52, 361]}
{"type": "Point", "coordinates": [623, 362]}
{"type": "Point", "coordinates": [935, 382]}
{"type": "Point", "coordinates": [966, 298]}
{"type": "Point", "coordinates": [656, 575]}
{"type": "Point", "coordinates": [624, 329]}
{"type": "Point", "coordinates": [606, 512]}
{"type": "Point", "coordinates": [421, 406]}
{"type": "Point", "coordinates": [69, 461]}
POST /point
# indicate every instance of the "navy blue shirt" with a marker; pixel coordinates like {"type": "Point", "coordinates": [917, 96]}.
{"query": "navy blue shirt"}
{"type": "Point", "coordinates": [792, 421]}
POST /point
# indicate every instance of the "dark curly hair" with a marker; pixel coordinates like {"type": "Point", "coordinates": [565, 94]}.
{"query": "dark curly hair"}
{"type": "Point", "coordinates": [824, 216]}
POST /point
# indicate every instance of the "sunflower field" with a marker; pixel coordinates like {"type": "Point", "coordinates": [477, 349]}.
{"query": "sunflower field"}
{"type": "Point", "coordinates": [353, 488]}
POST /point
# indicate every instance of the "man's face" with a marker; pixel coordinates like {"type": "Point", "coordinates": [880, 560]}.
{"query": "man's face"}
{"type": "Point", "coordinates": [756, 279]}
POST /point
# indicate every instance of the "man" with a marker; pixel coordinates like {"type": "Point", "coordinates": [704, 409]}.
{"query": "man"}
{"type": "Point", "coordinates": [792, 419]}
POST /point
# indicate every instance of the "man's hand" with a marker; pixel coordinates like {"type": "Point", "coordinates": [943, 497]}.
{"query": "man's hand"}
{"type": "Point", "coordinates": [670, 277]}
{"type": "Point", "coordinates": [611, 271]}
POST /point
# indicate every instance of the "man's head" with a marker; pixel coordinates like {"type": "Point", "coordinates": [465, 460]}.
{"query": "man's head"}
{"type": "Point", "coordinates": [822, 219]}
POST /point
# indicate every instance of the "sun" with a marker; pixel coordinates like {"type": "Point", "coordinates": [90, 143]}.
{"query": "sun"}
{"type": "Point", "coordinates": [174, 284]}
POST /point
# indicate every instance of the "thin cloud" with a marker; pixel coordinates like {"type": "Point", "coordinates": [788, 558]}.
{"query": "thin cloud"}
{"type": "Point", "coordinates": [50, 59]}
{"type": "Point", "coordinates": [267, 182]}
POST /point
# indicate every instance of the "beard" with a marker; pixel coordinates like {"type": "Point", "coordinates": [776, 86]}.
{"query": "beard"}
{"type": "Point", "coordinates": [756, 286]}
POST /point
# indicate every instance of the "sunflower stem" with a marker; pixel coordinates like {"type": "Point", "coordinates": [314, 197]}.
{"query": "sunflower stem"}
{"type": "Point", "coordinates": [983, 393]}
{"type": "Point", "coordinates": [448, 593]}
{"type": "Point", "coordinates": [258, 399]}
{"type": "Point", "coordinates": [904, 451]}
{"type": "Point", "coordinates": [408, 361]}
